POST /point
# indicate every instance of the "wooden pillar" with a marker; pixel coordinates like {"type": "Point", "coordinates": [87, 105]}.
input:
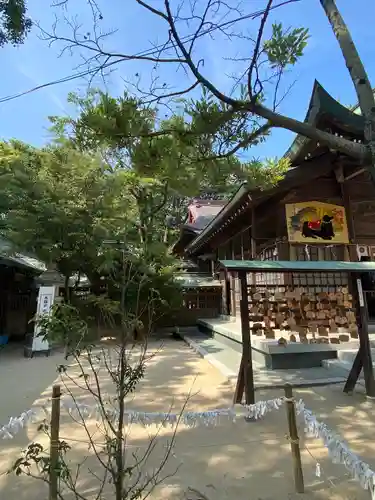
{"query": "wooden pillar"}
{"type": "Point", "coordinates": [283, 249]}
{"type": "Point", "coordinates": [228, 283]}
{"type": "Point", "coordinates": [253, 243]}
{"type": "Point", "coordinates": [4, 296]}
{"type": "Point", "coordinates": [245, 380]}
{"type": "Point", "coordinates": [339, 172]}
{"type": "Point", "coordinates": [292, 252]}
{"type": "Point", "coordinates": [253, 235]}
{"type": "Point", "coordinates": [232, 281]}
{"type": "Point", "coordinates": [363, 358]}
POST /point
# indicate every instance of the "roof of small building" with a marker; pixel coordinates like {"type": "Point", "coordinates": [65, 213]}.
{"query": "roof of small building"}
{"type": "Point", "coordinates": [10, 257]}
{"type": "Point", "coordinates": [201, 212]}
{"type": "Point", "coordinates": [281, 266]}
{"type": "Point", "coordinates": [324, 108]}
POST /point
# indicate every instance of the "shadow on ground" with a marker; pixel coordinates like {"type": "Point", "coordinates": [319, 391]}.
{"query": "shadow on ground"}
{"type": "Point", "coordinates": [232, 460]}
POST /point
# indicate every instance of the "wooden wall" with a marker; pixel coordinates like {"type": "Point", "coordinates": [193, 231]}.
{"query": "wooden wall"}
{"type": "Point", "coordinates": [269, 234]}
{"type": "Point", "coordinates": [362, 197]}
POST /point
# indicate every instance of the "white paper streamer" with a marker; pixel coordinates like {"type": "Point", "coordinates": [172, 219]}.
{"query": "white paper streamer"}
{"type": "Point", "coordinates": [317, 469]}
{"type": "Point", "coordinates": [191, 418]}
{"type": "Point", "coordinates": [338, 450]}
{"type": "Point", "coordinates": [16, 424]}
{"type": "Point", "coordinates": [259, 409]}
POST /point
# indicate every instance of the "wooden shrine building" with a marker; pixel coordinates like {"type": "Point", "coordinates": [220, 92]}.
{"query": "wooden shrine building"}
{"type": "Point", "coordinates": [322, 210]}
{"type": "Point", "coordinates": [268, 225]}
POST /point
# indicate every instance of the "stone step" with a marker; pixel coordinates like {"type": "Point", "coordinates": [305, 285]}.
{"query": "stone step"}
{"type": "Point", "coordinates": [347, 356]}
{"type": "Point", "coordinates": [227, 361]}
{"type": "Point", "coordinates": [338, 367]}
{"type": "Point", "coordinates": [268, 353]}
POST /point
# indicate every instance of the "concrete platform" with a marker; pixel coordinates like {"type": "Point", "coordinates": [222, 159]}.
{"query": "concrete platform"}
{"type": "Point", "coordinates": [227, 361]}
{"type": "Point", "coordinates": [268, 353]}
{"type": "Point", "coordinates": [344, 361]}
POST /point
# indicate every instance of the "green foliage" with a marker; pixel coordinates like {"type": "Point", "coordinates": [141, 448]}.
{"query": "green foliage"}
{"type": "Point", "coordinates": [69, 208]}
{"type": "Point", "coordinates": [105, 121]}
{"type": "Point", "coordinates": [96, 202]}
{"type": "Point", "coordinates": [285, 47]}
{"type": "Point", "coordinates": [63, 325]}
{"type": "Point", "coordinates": [179, 157]}
{"type": "Point", "coordinates": [14, 24]}
{"type": "Point", "coordinates": [58, 204]}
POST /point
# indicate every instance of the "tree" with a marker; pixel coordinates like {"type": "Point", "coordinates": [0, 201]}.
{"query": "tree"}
{"type": "Point", "coordinates": [272, 57]}
{"type": "Point", "coordinates": [72, 210]}
{"type": "Point", "coordinates": [108, 376]}
{"type": "Point", "coordinates": [60, 205]}
{"type": "Point", "coordinates": [169, 160]}
{"type": "Point", "coordinates": [14, 23]}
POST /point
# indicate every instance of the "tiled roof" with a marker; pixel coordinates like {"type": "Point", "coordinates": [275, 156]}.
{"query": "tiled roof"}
{"type": "Point", "coordinates": [201, 212]}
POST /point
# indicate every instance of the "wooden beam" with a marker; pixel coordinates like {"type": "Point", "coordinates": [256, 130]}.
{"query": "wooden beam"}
{"type": "Point", "coordinates": [354, 174]}
{"type": "Point", "coordinates": [340, 177]}
{"type": "Point", "coordinates": [232, 281]}
{"type": "Point", "coordinates": [363, 358]}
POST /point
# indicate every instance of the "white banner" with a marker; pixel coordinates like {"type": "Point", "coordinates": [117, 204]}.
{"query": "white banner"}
{"type": "Point", "coordinates": [46, 299]}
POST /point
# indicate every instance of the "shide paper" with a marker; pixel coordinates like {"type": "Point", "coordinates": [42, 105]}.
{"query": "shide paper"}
{"type": "Point", "coordinates": [338, 450]}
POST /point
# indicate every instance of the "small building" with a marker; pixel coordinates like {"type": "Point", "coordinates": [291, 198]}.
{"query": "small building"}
{"type": "Point", "coordinates": [18, 294]}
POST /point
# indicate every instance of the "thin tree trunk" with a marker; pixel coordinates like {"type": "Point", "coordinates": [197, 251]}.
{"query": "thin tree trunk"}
{"type": "Point", "coordinates": [357, 73]}
{"type": "Point", "coordinates": [67, 289]}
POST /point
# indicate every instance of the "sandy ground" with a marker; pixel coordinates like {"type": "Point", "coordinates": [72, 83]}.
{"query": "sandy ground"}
{"type": "Point", "coordinates": [241, 460]}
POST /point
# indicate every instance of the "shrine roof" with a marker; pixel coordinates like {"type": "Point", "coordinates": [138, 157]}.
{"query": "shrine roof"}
{"type": "Point", "coordinates": [10, 257]}
{"type": "Point", "coordinates": [326, 112]}
{"type": "Point", "coordinates": [281, 266]}
{"type": "Point", "coordinates": [309, 160]}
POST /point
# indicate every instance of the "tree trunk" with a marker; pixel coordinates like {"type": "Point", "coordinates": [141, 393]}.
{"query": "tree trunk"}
{"type": "Point", "coordinates": [364, 153]}
{"type": "Point", "coordinates": [352, 149]}
{"type": "Point", "coordinates": [67, 289]}
{"type": "Point", "coordinates": [357, 73]}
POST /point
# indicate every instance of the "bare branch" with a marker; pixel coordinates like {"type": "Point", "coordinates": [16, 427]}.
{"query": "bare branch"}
{"type": "Point", "coordinates": [253, 64]}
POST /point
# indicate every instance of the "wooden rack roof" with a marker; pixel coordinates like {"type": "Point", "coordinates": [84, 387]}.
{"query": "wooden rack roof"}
{"type": "Point", "coordinates": [285, 266]}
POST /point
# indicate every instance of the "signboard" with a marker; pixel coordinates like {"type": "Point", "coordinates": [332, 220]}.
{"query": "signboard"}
{"type": "Point", "coordinates": [45, 301]}
{"type": "Point", "coordinates": [316, 222]}
{"type": "Point", "coordinates": [360, 293]}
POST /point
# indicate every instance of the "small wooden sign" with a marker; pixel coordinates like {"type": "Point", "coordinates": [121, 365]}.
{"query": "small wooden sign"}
{"type": "Point", "coordinates": [360, 293]}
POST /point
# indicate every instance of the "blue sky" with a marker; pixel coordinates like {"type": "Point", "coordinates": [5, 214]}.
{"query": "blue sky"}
{"type": "Point", "coordinates": [36, 62]}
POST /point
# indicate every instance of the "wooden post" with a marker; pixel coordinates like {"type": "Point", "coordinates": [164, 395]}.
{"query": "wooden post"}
{"type": "Point", "coordinates": [54, 445]}
{"type": "Point", "coordinates": [340, 177]}
{"type": "Point", "coordinates": [245, 381]}
{"type": "Point", "coordinates": [253, 243]}
{"type": "Point", "coordinates": [294, 439]}
{"type": "Point", "coordinates": [232, 282]}
{"type": "Point", "coordinates": [242, 249]}
{"type": "Point", "coordinates": [363, 358]}
{"type": "Point", "coordinates": [253, 235]}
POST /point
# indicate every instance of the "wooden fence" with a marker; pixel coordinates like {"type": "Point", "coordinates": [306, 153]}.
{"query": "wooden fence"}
{"type": "Point", "coordinates": [204, 302]}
